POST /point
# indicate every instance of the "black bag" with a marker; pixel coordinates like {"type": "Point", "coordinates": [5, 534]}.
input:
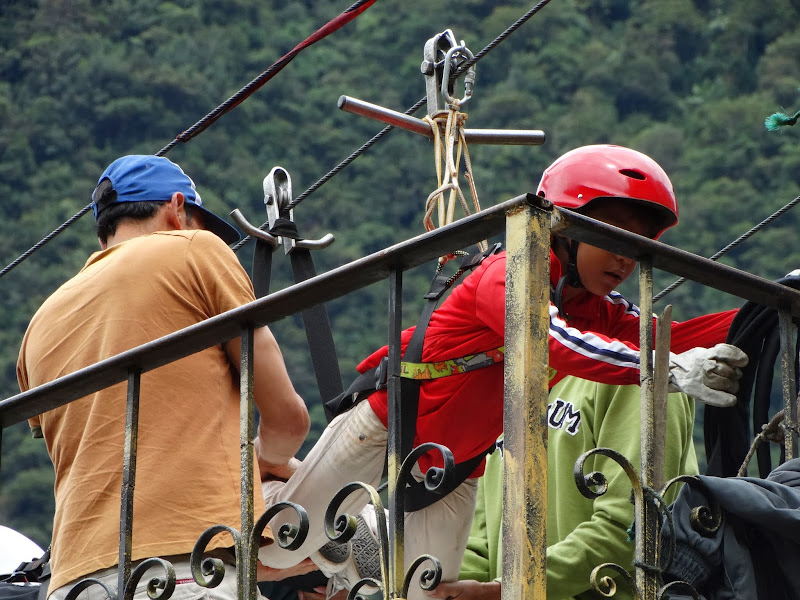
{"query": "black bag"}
{"type": "Point", "coordinates": [29, 581]}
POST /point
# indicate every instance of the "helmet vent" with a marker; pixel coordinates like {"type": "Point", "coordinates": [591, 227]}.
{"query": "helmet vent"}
{"type": "Point", "coordinates": [633, 174]}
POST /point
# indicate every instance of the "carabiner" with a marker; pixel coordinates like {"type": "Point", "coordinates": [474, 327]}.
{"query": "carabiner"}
{"type": "Point", "coordinates": [457, 56]}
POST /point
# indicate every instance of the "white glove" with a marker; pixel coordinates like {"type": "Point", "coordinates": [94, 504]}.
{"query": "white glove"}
{"type": "Point", "coordinates": [709, 375]}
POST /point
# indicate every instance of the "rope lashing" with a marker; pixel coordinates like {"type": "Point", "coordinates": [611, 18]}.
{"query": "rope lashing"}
{"type": "Point", "coordinates": [448, 156]}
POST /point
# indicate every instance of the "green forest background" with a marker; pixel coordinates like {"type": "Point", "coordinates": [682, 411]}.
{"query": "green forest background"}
{"type": "Point", "coordinates": [82, 82]}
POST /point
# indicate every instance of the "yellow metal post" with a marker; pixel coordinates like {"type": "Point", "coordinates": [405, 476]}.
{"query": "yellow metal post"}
{"type": "Point", "coordinates": [525, 409]}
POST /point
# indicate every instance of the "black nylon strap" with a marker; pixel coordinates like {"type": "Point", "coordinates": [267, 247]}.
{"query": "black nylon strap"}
{"type": "Point", "coordinates": [418, 496]}
{"type": "Point", "coordinates": [410, 388]}
{"type": "Point", "coordinates": [318, 332]}
{"type": "Point", "coordinates": [315, 319]}
{"type": "Point", "coordinates": [262, 268]}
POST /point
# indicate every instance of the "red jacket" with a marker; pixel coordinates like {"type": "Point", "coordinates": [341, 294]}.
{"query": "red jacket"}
{"type": "Point", "coordinates": [599, 342]}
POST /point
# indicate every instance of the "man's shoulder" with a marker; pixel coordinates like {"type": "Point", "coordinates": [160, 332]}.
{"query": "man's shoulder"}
{"type": "Point", "coordinates": [194, 241]}
{"type": "Point", "coordinates": [194, 236]}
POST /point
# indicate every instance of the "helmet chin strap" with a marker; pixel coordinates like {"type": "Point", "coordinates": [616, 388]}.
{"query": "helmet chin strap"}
{"type": "Point", "coordinates": [570, 276]}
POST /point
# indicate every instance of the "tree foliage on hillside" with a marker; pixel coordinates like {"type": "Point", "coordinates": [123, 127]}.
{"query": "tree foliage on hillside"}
{"type": "Point", "coordinates": [687, 81]}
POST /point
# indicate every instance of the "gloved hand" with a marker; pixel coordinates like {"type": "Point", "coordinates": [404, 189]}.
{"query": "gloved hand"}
{"type": "Point", "coordinates": [709, 375]}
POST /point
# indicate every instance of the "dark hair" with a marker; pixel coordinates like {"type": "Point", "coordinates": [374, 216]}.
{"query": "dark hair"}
{"type": "Point", "coordinates": [110, 212]}
{"type": "Point", "coordinates": [648, 212]}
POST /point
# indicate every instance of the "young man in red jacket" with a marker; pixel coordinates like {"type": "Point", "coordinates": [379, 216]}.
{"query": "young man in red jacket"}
{"type": "Point", "coordinates": [594, 334]}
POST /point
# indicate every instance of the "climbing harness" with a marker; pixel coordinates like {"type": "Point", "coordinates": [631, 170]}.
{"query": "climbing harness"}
{"type": "Point", "coordinates": [413, 373]}
{"type": "Point", "coordinates": [411, 366]}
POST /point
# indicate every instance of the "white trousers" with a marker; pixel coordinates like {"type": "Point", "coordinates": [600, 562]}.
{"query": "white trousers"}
{"type": "Point", "coordinates": [353, 448]}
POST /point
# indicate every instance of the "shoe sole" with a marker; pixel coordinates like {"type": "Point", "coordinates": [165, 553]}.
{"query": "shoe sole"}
{"type": "Point", "coordinates": [366, 551]}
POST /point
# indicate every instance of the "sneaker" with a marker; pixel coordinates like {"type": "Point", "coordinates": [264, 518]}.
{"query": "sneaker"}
{"type": "Point", "coordinates": [331, 557]}
{"type": "Point", "coordinates": [359, 558]}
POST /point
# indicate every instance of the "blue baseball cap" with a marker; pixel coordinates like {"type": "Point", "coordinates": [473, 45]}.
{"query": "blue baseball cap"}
{"type": "Point", "coordinates": [143, 178]}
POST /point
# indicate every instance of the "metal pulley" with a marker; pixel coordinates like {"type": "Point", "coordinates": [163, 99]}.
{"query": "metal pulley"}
{"type": "Point", "coordinates": [443, 57]}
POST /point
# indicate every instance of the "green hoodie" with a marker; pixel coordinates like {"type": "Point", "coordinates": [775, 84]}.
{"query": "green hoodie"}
{"type": "Point", "coordinates": [582, 533]}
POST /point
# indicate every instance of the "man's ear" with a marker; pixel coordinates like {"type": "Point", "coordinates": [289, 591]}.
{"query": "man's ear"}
{"type": "Point", "coordinates": [173, 210]}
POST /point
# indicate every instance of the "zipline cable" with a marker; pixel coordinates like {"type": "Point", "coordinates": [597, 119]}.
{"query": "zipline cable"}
{"type": "Point", "coordinates": [345, 17]}
{"type": "Point", "coordinates": [248, 90]}
{"type": "Point", "coordinates": [419, 104]}
{"type": "Point", "coordinates": [46, 239]}
{"type": "Point", "coordinates": [348, 15]}
{"type": "Point", "coordinates": [732, 245]}
{"type": "Point", "coordinates": [330, 174]}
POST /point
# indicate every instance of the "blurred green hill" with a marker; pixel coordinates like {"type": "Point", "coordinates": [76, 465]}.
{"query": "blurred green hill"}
{"type": "Point", "coordinates": [82, 82]}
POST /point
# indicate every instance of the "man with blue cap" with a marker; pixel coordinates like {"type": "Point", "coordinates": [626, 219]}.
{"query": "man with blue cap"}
{"type": "Point", "coordinates": [165, 264]}
{"type": "Point", "coordinates": [137, 180]}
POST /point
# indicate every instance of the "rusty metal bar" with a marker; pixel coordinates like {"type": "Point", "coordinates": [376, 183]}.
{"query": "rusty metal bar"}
{"type": "Point", "coordinates": [525, 404]}
{"type": "Point", "coordinates": [371, 269]}
{"type": "Point", "coordinates": [646, 366]}
{"type": "Point", "coordinates": [645, 513]}
{"type": "Point", "coordinates": [128, 480]}
{"type": "Point", "coordinates": [322, 288]}
{"type": "Point", "coordinates": [788, 382]}
{"type": "Point", "coordinates": [496, 137]}
{"type": "Point", "coordinates": [395, 456]}
{"type": "Point", "coordinates": [679, 262]}
{"type": "Point", "coordinates": [245, 557]}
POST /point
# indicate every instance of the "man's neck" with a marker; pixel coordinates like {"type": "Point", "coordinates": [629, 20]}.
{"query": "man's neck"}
{"type": "Point", "coordinates": [129, 228]}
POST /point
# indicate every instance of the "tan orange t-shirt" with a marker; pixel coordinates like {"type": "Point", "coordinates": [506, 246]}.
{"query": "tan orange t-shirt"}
{"type": "Point", "coordinates": [188, 459]}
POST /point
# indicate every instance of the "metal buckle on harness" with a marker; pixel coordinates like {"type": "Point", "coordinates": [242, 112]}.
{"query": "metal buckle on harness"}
{"type": "Point", "coordinates": [382, 374]}
{"type": "Point", "coordinates": [278, 198]}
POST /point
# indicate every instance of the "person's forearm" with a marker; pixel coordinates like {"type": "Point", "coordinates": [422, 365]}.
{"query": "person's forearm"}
{"type": "Point", "coordinates": [277, 443]}
{"type": "Point", "coordinates": [283, 418]}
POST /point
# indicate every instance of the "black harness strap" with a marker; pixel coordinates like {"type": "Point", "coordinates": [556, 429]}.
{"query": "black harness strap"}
{"type": "Point", "coordinates": [318, 332]}
{"type": "Point", "coordinates": [262, 268]}
{"type": "Point", "coordinates": [315, 319]}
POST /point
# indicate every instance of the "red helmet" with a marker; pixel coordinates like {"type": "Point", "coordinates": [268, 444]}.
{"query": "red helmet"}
{"type": "Point", "coordinates": [589, 172]}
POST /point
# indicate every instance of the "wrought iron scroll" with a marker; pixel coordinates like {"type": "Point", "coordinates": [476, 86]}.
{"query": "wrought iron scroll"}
{"type": "Point", "coordinates": [341, 529]}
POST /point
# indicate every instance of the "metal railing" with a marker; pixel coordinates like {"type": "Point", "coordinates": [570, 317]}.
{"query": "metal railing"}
{"type": "Point", "coordinates": [527, 222]}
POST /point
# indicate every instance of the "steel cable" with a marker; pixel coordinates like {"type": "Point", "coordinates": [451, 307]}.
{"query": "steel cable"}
{"type": "Point", "coordinates": [246, 91]}
{"type": "Point", "coordinates": [732, 245]}
{"type": "Point", "coordinates": [345, 17]}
